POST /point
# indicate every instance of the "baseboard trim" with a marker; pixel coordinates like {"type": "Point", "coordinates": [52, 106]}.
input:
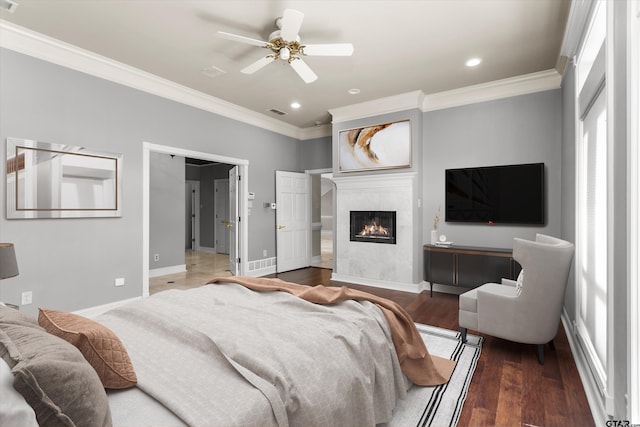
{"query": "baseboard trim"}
{"type": "Point", "coordinates": [168, 270]}
{"type": "Point", "coordinates": [96, 311]}
{"type": "Point", "coordinates": [396, 286]}
{"type": "Point", "coordinates": [446, 289]}
{"type": "Point", "coordinates": [207, 250]}
{"type": "Point", "coordinates": [589, 384]}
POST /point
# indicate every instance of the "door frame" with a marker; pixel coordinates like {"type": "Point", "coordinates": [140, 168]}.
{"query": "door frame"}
{"type": "Point", "coordinates": [243, 191]}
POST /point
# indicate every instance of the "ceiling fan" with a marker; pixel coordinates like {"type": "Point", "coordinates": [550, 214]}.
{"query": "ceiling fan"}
{"type": "Point", "coordinates": [285, 45]}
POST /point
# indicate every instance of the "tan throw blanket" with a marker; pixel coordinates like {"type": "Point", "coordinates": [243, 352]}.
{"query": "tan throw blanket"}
{"type": "Point", "coordinates": [416, 362]}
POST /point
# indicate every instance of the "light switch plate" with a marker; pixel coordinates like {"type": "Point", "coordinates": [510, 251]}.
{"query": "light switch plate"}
{"type": "Point", "coordinates": [27, 298]}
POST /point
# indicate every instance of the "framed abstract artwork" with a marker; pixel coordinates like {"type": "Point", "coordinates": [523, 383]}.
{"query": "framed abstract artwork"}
{"type": "Point", "coordinates": [382, 146]}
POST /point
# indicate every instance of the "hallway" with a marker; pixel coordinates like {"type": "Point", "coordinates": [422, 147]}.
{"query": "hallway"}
{"type": "Point", "coordinates": [201, 267]}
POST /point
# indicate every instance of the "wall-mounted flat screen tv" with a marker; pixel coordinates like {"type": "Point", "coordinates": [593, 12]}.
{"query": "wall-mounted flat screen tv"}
{"type": "Point", "coordinates": [510, 194]}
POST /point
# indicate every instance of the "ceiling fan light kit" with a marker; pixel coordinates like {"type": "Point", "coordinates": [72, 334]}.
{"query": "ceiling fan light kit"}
{"type": "Point", "coordinates": [285, 44]}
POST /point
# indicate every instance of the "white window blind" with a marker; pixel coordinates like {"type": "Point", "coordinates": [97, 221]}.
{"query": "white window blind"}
{"type": "Point", "coordinates": [592, 317]}
{"type": "Point", "coordinates": [592, 212]}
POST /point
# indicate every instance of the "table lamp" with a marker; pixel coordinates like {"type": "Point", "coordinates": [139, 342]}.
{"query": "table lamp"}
{"type": "Point", "coordinates": [8, 263]}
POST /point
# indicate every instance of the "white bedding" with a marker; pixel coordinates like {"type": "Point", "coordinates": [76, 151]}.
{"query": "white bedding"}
{"type": "Point", "coordinates": [225, 355]}
{"type": "Point", "coordinates": [133, 407]}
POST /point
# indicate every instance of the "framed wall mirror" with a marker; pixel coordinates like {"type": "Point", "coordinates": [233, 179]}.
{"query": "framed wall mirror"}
{"type": "Point", "coordinates": [46, 180]}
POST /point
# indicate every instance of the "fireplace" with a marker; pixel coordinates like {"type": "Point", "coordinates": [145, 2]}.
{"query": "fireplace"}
{"type": "Point", "coordinates": [373, 226]}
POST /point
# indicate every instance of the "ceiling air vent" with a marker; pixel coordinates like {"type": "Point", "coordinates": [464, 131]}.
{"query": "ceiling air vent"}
{"type": "Point", "coordinates": [278, 112]}
{"type": "Point", "coordinates": [8, 5]}
{"type": "Point", "coordinates": [211, 71]}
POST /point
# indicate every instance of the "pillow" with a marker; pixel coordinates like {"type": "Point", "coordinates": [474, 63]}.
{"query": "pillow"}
{"type": "Point", "coordinates": [14, 410]}
{"type": "Point", "coordinates": [519, 282]}
{"type": "Point", "coordinates": [97, 343]}
{"type": "Point", "coordinates": [51, 374]}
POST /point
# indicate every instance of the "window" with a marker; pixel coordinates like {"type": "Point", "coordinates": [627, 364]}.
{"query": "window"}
{"type": "Point", "coordinates": [592, 219]}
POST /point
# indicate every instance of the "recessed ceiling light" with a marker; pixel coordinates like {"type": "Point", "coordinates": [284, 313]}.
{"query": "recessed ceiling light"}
{"type": "Point", "coordinates": [473, 62]}
{"type": "Point", "coordinates": [295, 105]}
{"type": "Point", "coordinates": [354, 91]}
{"type": "Point", "coordinates": [8, 5]}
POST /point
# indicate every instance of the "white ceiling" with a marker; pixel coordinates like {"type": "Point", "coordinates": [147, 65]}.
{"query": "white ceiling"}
{"type": "Point", "coordinates": [400, 46]}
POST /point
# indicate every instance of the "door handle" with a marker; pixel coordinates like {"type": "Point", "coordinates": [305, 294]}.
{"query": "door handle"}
{"type": "Point", "coordinates": [280, 227]}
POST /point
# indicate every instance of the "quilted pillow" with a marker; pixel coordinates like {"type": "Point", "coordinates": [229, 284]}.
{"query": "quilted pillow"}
{"type": "Point", "coordinates": [51, 374]}
{"type": "Point", "coordinates": [97, 343]}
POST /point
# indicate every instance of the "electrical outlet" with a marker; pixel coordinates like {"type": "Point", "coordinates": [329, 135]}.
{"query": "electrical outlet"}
{"type": "Point", "coordinates": [119, 281]}
{"type": "Point", "coordinates": [156, 257]}
{"type": "Point", "coordinates": [27, 298]}
{"type": "Point", "coordinates": [264, 253]}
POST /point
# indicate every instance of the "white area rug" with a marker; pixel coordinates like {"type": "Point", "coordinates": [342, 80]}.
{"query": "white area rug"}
{"type": "Point", "coordinates": [441, 405]}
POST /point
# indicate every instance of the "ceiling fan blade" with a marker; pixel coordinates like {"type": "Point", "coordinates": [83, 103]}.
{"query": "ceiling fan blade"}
{"type": "Point", "coordinates": [304, 71]}
{"type": "Point", "coordinates": [241, 39]}
{"type": "Point", "coordinates": [336, 49]}
{"type": "Point", "coordinates": [250, 69]}
{"type": "Point", "coordinates": [291, 22]}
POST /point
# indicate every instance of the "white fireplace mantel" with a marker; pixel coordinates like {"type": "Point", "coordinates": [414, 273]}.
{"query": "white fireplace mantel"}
{"type": "Point", "coordinates": [374, 264]}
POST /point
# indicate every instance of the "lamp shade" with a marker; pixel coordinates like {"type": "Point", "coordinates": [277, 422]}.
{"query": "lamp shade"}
{"type": "Point", "coordinates": [8, 263]}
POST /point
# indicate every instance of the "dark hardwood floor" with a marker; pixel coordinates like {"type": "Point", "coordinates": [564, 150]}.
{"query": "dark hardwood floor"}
{"type": "Point", "coordinates": [509, 387]}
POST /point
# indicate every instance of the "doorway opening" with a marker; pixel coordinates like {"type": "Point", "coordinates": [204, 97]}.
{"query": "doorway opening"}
{"type": "Point", "coordinates": [207, 225]}
{"type": "Point", "coordinates": [238, 248]}
{"type": "Point", "coordinates": [322, 212]}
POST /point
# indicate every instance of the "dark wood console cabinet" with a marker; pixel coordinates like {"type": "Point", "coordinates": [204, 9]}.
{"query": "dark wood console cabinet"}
{"type": "Point", "coordinates": [467, 266]}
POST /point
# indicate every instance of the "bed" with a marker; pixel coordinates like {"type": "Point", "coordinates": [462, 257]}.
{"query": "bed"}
{"type": "Point", "coordinates": [237, 351]}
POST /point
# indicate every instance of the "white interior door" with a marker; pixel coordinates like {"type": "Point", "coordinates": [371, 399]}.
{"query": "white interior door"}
{"type": "Point", "coordinates": [234, 219]}
{"type": "Point", "coordinates": [221, 200]}
{"type": "Point", "coordinates": [293, 220]}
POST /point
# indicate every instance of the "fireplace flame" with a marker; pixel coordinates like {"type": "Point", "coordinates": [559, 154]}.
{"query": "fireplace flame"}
{"type": "Point", "coordinates": [374, 229]}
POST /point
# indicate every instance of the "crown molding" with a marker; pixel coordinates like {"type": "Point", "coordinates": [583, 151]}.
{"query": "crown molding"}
{"type": "Point", "coordinates": [28, 42]}
{"type": "Point", "coordinates": [577, 22]}
{"type": "Point", "coordinates": [314, 132]}
{"type": "Point", "coordinates": [505, 88]}
{"type": "Point", "coordinates": [390, 104]}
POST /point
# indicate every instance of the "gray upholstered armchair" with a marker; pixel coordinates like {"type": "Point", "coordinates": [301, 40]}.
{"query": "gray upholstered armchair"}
{"type": "Point", "coordinates": [528, 310]}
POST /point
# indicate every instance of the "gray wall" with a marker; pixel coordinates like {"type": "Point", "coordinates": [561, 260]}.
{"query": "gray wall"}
{"type": "Point", "coordinates": [166, 210]}
{"type": "Point", "coordinates": [520, 129]}
{"type": "Point", "coordinates": [316, 153]}
{"type": "Point", "coordinates": [72, 263]}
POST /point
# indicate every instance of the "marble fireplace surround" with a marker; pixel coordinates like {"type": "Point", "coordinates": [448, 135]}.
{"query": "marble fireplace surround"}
{"type": "Point", "coordinates": [374, 264]}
